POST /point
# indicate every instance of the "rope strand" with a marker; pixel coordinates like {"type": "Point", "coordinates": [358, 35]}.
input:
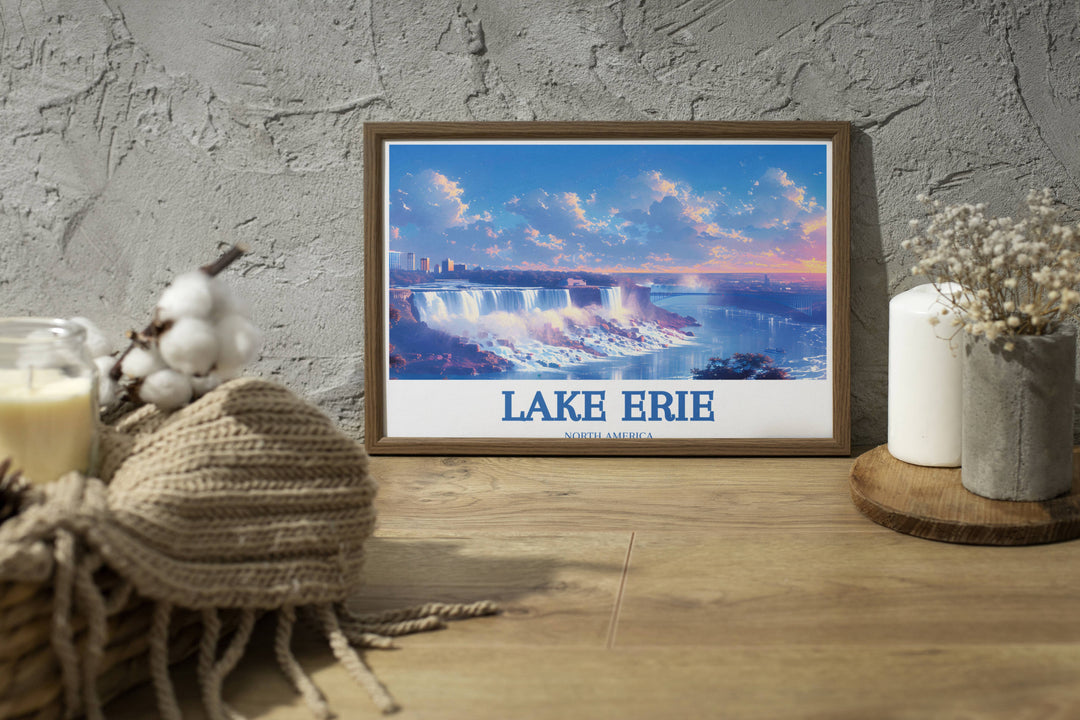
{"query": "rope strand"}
{"type": "Point", "coordinates": [93, 607]}
{"type": "Point", "coordinates": [352, 662]}
{"type": "Point", "coordinates": [232, 655]}
{"type": "Point", "coordinates": [393, 629]}
{"type": "Point", "coordinates": [168, 707]}
{"type": "Point", "coordinates": [207, 652]}
{"type": "Point", "coordinates": [313, 697]}
{"type": "Point", "coordinates": [446, 611]}
{"type": "Point", "coordinates": [62, 638]}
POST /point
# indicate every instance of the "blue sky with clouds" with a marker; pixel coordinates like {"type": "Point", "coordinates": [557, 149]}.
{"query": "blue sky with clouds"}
{"type": "Point", "coordinates": [716, 207]}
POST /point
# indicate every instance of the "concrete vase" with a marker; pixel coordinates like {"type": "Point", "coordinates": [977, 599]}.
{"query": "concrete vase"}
{"type": "Point", "coordinates": [1018, 416]}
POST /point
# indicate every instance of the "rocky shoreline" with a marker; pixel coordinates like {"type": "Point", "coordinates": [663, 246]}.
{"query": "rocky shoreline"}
{"type": "Point", "coordinates": [417, 349]}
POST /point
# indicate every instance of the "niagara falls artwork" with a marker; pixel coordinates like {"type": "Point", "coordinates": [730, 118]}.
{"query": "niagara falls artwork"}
{"type": "Point", "coordinates": [584, 287]}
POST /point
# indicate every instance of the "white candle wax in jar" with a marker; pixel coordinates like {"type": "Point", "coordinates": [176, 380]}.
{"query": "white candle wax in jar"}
{"type": "Point", "coordinates": [48, 398]}
{"type": "Point", "coordinates": [924, 378]}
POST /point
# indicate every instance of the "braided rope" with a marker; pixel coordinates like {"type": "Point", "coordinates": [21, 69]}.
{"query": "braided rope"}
{"type": "Point", "coordinates": [207, 651]}
{"type": "Point", "coordinates": [395, 629]}
{"type": "Point", "coordinates": [168, 707]}
{"type": "Point", "coordinates": [311, 694]}
{"type": "Point", "coordinates": [93, 606]}
{"type": "Point", "coordinates": [216, 678]}
{"type": "Point", "coordinates": [364, 639]}
{"type": "Point", "coordinates": [446, 611]}
{"type": "Point", "coordinates": [62, 637]}
{"type": "Point", "coordinates": [352, 662]}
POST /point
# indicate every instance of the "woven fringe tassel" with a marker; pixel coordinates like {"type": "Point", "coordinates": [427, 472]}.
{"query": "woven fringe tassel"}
{"type": "Point", "coordinates": [378, 635]}
{"type": "Point", "coordinates": [93, 605]}
{"type": "Point", "coordinates": [212, 674]}
{"type": "Point", "coordinates": [207, 651]}
{"type": "Point", "coordinates": [445, 611]}
{"type": "Point", "coordinates": [304, 685]}
{"type": "Point", "coordinates": [394, 623]}
{"type": "Point", "coordinates": [363, 638]}
{"type": "Point", "coordinates": [353, 663]}
{"type": "Point", "coordinates": [63, 642]}
{"type": "Point", "coordinates": [168, 707]}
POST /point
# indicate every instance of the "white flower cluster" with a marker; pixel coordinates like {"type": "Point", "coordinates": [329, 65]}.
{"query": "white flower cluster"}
{"type": "Point", "coordinates": [201, 335]}
{"type": "Point", "coordinates": [1019, 277]}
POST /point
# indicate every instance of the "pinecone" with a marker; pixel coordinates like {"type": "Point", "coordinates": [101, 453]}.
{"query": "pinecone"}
{"type": "Point", "coordinates": [12, 490]}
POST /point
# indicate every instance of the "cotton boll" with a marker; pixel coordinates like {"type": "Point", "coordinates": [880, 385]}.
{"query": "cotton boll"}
{"type": "Point", "coordinates": [239, 342]}
{"type": "Point", "coordinates": [107, 395]}
{"type": "Point", "coordinates": [104, 365]}
{"type": "Point", "coordinates": [166, 388]}
{"type": "Point", "coordinates": [203, 384]}
{"type": "Point", "coordinates": [106, 385]}
{"type": "Point", "coordinates": [226, 301]}
{"type": "Point", "coordinates": [190, 346]}
{"type": "Point", "coordinates": [96, 342]}
{"type": "Point", "coordinates": [140, 362]}
{"type": "Point", "coordinates": [188, 296]}
{"type": "Point", "coordinates": [226, 374]}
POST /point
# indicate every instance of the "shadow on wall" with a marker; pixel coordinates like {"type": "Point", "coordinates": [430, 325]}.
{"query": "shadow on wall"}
{"type": "Point", "coordinates": [869, 301]}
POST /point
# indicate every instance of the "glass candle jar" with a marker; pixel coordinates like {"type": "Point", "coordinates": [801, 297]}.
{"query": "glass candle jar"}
{"type": "Point", "coordinates": [48, 398]}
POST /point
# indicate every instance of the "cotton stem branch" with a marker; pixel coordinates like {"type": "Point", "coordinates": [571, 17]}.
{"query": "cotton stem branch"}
{"type": "Point", "coordinates": [147, 335]}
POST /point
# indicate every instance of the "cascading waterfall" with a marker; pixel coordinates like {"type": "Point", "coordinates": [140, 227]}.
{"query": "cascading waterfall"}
{"type": "Point", "coordinates": [611, 299]}
{"type": "Point", "coordinates": [439, 306]}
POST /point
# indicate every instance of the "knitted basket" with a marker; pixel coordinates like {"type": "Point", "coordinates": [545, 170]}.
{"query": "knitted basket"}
{"type": "Point", "coordinates": [31, 679]}
{"type": "Point", "coordinates": [248, 501]}
{"type": "Point", "coordinates": [31, 685]}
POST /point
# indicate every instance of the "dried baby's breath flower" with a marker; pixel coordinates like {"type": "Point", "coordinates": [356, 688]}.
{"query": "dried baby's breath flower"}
{"type": "Point", "coordinates": [1019, 277]}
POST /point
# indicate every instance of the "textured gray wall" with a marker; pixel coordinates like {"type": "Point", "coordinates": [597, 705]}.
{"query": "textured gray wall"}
{"type": "Point", "coordinates": [139, 137]}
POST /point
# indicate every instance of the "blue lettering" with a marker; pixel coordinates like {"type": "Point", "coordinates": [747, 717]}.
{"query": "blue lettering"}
{"type": "Point", "coordinates": [661, 401]}
{"type": "Point", "coordinates": [702, 404]}
{"type": "Point", "coordinates": [538, 404]}
{"type": "Point", "coordinates": [508, 415]}
{"type": "Point", "coordinates": [634, 401]}
{"type": "Point", "coordinates": [594, 401]}
{"type": "Point", "coordinates": [565, 409]}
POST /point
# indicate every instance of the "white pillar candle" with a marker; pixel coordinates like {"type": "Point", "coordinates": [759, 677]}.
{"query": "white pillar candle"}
{"type": "Point", "coordinates": [924, 378]}
{"type": "Point", "coordinates": [47, 422]}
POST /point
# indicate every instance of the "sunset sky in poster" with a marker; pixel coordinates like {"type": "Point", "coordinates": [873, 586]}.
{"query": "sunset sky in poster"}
{"type": "Point", "coordinates": [612, 207]}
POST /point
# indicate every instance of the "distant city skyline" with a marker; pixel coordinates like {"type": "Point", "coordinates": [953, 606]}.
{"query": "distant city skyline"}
{"type": "Point", "coordinates": [757, 207]}
{"type": "Point", "coordinates": [400, 260]}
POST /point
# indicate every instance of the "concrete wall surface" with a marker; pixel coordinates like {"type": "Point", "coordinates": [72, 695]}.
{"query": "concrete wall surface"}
{"type": "Point", "coordinates": [140, 138]}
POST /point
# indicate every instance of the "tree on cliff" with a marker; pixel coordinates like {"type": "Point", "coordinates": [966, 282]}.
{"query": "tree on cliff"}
{"type": "Point", "coordinates": [741, 366]}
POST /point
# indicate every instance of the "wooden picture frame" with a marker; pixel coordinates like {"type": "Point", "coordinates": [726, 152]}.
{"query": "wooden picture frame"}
{"type": "Point", "coordinates": [583, 245]}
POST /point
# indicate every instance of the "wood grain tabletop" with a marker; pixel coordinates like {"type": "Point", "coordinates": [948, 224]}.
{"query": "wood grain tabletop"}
{"type": "Point", "coordinates": [690, 588]}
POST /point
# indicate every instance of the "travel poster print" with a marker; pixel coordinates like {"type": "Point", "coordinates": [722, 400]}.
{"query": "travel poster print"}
{"type": "Point", "coordinates": [608, 289]}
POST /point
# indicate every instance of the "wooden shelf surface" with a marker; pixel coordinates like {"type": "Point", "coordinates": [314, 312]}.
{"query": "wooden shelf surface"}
{"type": "Point", "coordinates": [659, 588]}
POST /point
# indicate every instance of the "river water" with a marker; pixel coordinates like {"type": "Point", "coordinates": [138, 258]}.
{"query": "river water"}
{"type": "Point", "coordinates": [723, 332]}
{"type": "Point", "coordinates": [485, 314]}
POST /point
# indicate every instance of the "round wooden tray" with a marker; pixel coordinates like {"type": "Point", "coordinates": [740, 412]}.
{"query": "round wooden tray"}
{"type": "Point", "coordinates": [931, 503]}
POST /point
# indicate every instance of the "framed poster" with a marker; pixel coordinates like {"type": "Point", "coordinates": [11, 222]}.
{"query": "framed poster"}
{"type": "Point", "coordinates": [607, 288]}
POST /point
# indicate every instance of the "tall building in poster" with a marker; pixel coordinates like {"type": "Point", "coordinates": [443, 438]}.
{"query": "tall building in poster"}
{"type": "Point", "coordinates": [410, 261]}
{"type": "Point", "coordinates": [446, 266]}
{"type": "Point", "coordinates": [425, 265]}
{"type": "Point", "coordinates": [395, 259]}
